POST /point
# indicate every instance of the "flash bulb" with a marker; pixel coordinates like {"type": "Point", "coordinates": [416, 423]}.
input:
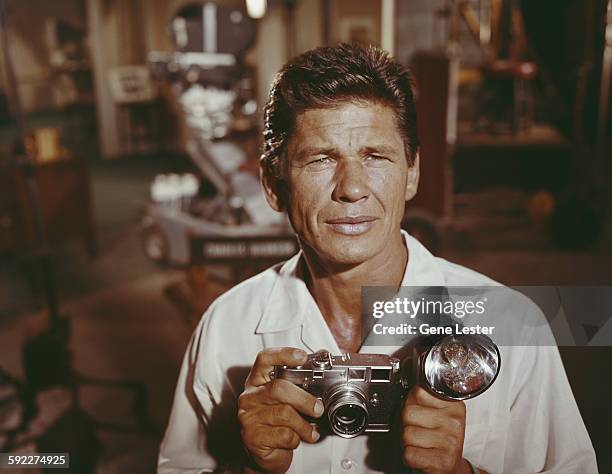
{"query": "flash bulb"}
{"type": "Point", "coordinates": [461, 367]}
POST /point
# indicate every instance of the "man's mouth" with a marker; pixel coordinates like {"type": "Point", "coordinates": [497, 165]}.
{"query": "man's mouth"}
{"type": "Point", "coordinates": [352, 225]}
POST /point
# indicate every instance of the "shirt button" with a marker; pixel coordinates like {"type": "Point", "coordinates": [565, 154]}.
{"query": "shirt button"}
{"type": "Point", "coordinates": [346, 464]}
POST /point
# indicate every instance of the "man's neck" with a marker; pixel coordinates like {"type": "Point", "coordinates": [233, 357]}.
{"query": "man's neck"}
{"type": "Point", "coordinates": [337, 291]}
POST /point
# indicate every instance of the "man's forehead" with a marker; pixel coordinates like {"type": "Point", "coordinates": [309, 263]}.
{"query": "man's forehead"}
{"type": "Point", "coordinates": [356, 122]}
{"type": "Point", "coordinates": [365, 115]}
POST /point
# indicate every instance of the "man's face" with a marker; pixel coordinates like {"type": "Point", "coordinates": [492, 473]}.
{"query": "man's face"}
{"type": "Point", "coordinates": [347, 182]}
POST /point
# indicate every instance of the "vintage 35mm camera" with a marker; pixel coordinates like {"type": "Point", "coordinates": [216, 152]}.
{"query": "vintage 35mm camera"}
{"type": "Point", "coordinates": [363, 392]}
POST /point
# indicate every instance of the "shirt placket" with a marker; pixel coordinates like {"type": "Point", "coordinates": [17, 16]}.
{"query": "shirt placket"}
{"type": "Point", "coordinates": [343, 462]}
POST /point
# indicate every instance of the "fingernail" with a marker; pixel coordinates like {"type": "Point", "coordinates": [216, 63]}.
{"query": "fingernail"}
{"type": "Point", "coordinates": [318, 408]}
{"type": "Point", "coordinates": [298, 354]}
{"type": "Point", "coordinates": [315, 434]}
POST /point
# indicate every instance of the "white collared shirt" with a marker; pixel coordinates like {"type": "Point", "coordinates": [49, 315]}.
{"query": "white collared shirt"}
{"type": "Point", "coordinates": [526, 422]}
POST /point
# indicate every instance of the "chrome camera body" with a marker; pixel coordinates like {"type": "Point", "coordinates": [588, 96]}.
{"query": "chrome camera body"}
{"type": "Point", "coordinates": [360, 392]}
{"type": "Point", "coordinates": [364, 392]}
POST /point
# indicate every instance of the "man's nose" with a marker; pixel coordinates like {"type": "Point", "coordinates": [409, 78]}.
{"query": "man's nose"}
{"type": "Point", "coordinates": [351, 183]}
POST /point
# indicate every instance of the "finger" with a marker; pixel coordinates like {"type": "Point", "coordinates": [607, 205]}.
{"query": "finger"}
{"type": "Point", "coordinates": [425, 417]}
{"type": "Point", "coordinates": [285, 415]}
{"type": "Point", "coordinates": [268, 358]}
{"type": "Point", "coordinates": [427, 438]}
{"type": "Point", "coordinates": [422, 458]}
{"type": "Point", "coordinates": [420, 396]}
{"type": "Point", "coordinates": [275, 437]}
{"type": "Point", "coordinates": [273, 460]}
{"type": "Point", "coordinates": [279, 392]}
{"type": "Point", "coordinates": [285, 392]}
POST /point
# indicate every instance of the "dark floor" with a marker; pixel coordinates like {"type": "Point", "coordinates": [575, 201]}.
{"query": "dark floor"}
{"type": "Point", "coordinates": [123, 326]}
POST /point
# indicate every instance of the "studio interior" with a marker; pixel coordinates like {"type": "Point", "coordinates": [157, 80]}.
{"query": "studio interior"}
{"type": "Point", "coordinates": [130, 139]}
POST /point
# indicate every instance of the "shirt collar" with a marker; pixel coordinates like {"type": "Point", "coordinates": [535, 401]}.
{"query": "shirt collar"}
{"type": "Point", "coordinates": [284, 308]}
{"type": "Point", "coordinates": [289, 298]}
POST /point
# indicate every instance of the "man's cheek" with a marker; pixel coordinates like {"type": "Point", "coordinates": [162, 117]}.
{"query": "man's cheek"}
{"type": "Point", "coordinates": [302, 215]}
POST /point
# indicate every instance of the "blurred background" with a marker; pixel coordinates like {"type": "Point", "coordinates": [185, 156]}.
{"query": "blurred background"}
{"type": "Point", "coordinates": [129, 145]}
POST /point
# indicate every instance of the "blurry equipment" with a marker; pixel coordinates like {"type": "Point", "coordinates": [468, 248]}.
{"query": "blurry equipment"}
{"type": "Point", "coordinates": [581, 81]}
{"type": "Point", "coordinates": [64, 189]}
{"type": "Point", "coordinates": [132, 84]}
{"type": "Point", "coordinates": [67, 43]}
{"type": "Point", "coordinates": [256, 8]}
{"type": "Point", "coordinates": [506, 73]}
{"type": "Point", "coordinates": [47, 359]}
{"type": "Point", "coordinates": [44, 144]}
{"type": "Point", "coordinates": [540, 207]}
{"type": "Point", "coordinates": [363, 392]}
{"type": "Point", "coordinates": [46, 190]}
{"type": "Point", "coordinates": [71, 72]}
{"type": "Point", "coordinates": [562, 166]}
{"type": "Point", "coordinates": [221, 215]}
{"type": "Point", "coordinates": [63, 185]}
{"type": "Point", "coordinates": [135, 93]}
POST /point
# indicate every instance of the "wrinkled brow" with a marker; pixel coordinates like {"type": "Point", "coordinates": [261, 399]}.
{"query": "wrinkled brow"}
{"type": "Point", "coordinates": [382, 149]}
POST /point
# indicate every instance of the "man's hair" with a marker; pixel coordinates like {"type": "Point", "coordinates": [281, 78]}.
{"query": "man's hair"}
{"type": "Point", "coordinates": [329, 76]}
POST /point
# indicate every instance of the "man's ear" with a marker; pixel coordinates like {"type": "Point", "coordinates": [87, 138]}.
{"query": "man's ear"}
{"type": "Point", "coordinates": [271, 188]}
{"type": "Point", "coordinates": [412, 182]}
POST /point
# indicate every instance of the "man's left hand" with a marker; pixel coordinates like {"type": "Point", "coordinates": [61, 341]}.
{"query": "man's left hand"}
{"type": "Point", "coordinates": [432, 433]}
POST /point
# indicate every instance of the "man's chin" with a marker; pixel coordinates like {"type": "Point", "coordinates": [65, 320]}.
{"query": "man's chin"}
{"type": "Point", "coordinates": [347, 256]}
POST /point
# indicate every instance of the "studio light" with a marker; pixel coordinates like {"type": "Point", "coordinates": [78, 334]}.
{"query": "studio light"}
{"type": "Point", "coordinates": [256, 8]}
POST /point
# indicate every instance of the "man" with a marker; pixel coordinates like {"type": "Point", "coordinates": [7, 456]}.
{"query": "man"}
{"type": "Point", "coordinates": [341, 158]}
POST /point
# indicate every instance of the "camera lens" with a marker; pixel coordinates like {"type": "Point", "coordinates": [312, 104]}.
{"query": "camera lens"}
{"type": "Point", "coordinates": [347, 412]}
{"type": "Point", "coordinates": [349, 419]}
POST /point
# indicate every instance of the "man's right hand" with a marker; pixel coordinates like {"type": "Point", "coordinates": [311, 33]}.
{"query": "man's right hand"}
{"type": "Point", "coordinates": [269, 411]}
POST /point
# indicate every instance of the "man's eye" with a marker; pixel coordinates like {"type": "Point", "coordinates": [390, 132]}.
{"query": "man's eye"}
{"type": "Point", "coordinates": [376, 158]}
{"type": "Point", "coordinates": [324, 160]}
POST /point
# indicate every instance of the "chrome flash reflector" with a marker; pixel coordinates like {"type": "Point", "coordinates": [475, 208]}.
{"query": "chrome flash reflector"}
{"type": "Point", "coordinates": [461, 367]}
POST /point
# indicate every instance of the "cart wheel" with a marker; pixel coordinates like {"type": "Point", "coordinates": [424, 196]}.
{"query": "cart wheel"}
{"type": "Point", "coordinates": [424, 230]}
{"type": "Point", "coordinates": [155, 244]}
